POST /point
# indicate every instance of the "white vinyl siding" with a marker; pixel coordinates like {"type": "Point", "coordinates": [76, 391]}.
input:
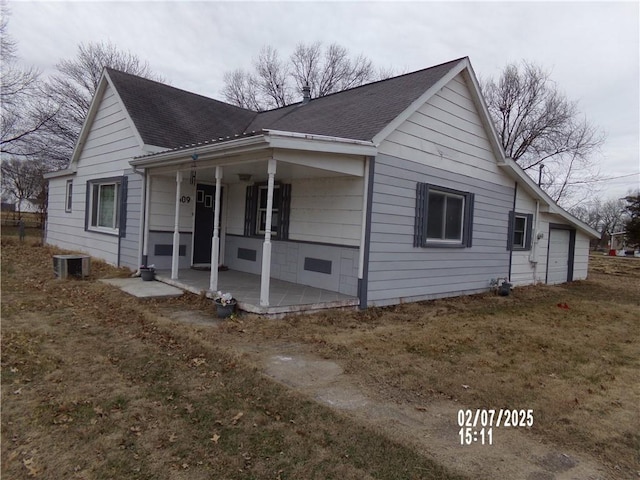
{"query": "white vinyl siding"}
{"type": "Point", "coordinates": [327, 210]}
{"type": "Point", "coordinates": [323, 210]}
{"type": "Point", "coordinates": [109, 146]}
{"type": "Point", "coordinates": [163, 204]}
{"type": "Point", "coordinates": [443, 143]}
{"type": "Point", "coordinates": [447, 133]}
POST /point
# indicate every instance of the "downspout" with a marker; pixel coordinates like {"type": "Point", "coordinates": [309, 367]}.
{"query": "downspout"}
{"type": "Point", "coordinates": [533, 255]}
{"type": "Point", "coordinates": [511, 227]}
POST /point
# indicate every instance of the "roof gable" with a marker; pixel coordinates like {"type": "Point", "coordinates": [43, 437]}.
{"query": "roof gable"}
{"type": "Point", "coordinates": [359, 113]}
{"type": "Point", "coordinates": [169, 117]}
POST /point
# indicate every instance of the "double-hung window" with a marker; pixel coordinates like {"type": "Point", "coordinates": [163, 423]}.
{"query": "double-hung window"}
{"type": "Point", "coordinates": [262, 210]}
{"type": "Point", "coordinates": [520, 227]}
{"type": "Point", "coordinates": [444, 217]}
{"type": "Point", "coordinates": [255, 221]}
{"type": "Point", "coordinates": [105, 199]}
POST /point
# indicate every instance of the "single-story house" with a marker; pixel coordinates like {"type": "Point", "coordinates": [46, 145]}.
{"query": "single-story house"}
{"type": "Point", "coordinates": [395, 191]}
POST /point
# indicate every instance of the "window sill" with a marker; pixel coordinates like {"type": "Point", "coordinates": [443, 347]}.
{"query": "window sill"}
{"type": "Point", "coordinates": [433, 244]}
{"type": "Point", "coordinates": [114, 232]}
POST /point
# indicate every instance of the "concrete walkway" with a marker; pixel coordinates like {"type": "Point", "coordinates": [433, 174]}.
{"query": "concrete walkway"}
{"type": "Point", "coordinates": [141, 289]}
{"type": "Point", "coordinates": [431, 428]}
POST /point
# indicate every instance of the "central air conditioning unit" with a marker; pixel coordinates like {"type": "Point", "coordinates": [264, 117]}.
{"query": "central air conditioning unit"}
{"type": "Point", "coordinates": [65, 266]}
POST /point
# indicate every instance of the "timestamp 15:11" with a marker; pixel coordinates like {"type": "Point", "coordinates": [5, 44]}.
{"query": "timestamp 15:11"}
{"type": "Point", "coordinates": [469, 436]}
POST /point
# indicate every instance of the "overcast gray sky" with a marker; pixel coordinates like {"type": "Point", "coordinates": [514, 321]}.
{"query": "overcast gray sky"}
{"type": "Point", "coordinates": [591, 48]}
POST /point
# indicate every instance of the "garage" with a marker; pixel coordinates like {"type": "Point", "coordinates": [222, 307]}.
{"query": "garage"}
{"type": "Point", "coordinates": [560, 254]}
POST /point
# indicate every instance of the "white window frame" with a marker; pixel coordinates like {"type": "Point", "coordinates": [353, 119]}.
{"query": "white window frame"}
{"type": "Point", "coordinates": [94, 214]}
{"type": "Point", "coordinates": [68, 197]}
{"type": "Point", "coordinates": [275, 210]}
{"type": "Point", "coordinates": [523, 244]}
{"type": "Point", "coordinates": [447, 195]}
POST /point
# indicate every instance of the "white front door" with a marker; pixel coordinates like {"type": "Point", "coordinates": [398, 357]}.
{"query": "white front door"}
{"type": "Point", "coordinates": [558, 261]}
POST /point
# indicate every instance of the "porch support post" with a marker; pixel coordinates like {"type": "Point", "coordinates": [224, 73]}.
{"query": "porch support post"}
{"type": "Point", "coordinates": [175, 256]}
{"type": "Point", "coordinates": [266, 247]}
{"type": "Point", "coordinates": [147, 216]}
{"type": "Point", "coordinates": [215, 241]}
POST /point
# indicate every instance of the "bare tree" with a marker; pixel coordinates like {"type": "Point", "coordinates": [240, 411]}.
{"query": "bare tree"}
{"type": "Point", "coordinates": [240, 89]}
{"type": "Point", "coordinates": [22, 179]}
{"type": "Point", "coordinates": [274, 82]}
{"type": "Point", "coordinates": [73, 87]}
{"type": "Point", "coordinates": [537, 124]}
{"type": "Point", "coordinates": [632, 222]}
{"type": "Point", "coordinates": [25, 110]}
{"type": "Point", "coordinates": [606, 217]}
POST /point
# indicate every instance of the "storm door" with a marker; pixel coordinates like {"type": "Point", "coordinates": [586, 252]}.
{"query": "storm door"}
{"type": "Point", "coordinates": [203, 230]}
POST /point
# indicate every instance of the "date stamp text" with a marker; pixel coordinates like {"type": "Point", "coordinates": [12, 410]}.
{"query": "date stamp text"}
{"type": "Point", "coordinates": [476, 426]}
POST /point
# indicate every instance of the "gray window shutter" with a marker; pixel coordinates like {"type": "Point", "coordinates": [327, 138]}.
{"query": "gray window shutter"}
{"type": "Point", "coordinates": [87, 203]}
{"type": "Point", "coordinates": [251, 210]}
{"type": "Point", "coordinates": [529, 231]}
{"type": "Point", "coordinates": [512, 222]}
{"type": "Point", "coordinates": [123, 207]}
{"type": "Point", "coordinates": [285, 210]}
{"type": "Point", "coordinates": [468, 221]}
{"type": "Point", "coordinates": [419, 235]}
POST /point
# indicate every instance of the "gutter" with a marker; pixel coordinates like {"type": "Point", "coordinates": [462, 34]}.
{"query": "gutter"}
{"type": "Point", "coordinates": [242, 145]}
{"type": "Point", "coordinates": [60, 173]}
{"type": "Point", "coordinates": [204, 151]}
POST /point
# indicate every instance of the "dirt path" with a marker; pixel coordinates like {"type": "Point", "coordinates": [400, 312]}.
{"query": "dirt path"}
{"type": "Point", "coordinates": [431, 428]}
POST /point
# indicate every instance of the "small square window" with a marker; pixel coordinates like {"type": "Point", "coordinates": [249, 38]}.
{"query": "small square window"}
{"type": "Point", "coordinates": [520, 231]}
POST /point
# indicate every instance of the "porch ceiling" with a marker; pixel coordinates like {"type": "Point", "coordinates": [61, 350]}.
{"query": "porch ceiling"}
{"type": "Point", "coordinates": [322, 167]}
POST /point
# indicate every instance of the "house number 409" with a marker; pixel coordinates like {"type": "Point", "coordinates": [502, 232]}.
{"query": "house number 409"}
{"type": "Point", "coordinates": [185, 199]}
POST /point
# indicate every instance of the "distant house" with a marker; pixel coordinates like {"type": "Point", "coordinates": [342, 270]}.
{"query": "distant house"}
{"type": "Point", "coordinates": [617, 241]}
{"type": "Point", "coordinates": [8, 207]}
{"type": "Point", "coordinates": [395, 191]}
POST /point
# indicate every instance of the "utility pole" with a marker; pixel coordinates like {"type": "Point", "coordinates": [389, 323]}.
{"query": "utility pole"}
{"type": "Point", "coordinates": [540, 175]}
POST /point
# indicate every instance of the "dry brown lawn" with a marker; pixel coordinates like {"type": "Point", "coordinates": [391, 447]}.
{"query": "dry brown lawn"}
{"type": "Point", "coordinates": [571, 353]}
{"type": "Point", "coordinates": [96, 384]}
{"type": "Point", "coordinates": [99, 385]}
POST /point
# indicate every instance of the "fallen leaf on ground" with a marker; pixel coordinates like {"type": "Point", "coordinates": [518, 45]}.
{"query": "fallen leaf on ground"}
{"type": "Point", "coordinates": [235, 419]}
{"type": "Point", "coordinates": [215, 438]}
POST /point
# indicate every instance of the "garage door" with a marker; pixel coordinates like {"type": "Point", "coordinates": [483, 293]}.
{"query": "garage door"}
{"type": "Point", "coordinates": [558, 261]}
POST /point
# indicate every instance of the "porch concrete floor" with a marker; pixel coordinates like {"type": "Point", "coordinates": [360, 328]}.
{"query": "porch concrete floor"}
{"type": "Point", "coordinates": [284, 297]}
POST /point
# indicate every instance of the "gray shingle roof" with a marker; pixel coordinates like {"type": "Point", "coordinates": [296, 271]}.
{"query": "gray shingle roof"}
{"type": "Point", "coordinates": [169, 117]}
{"type": "Point", "coordinates": [359, 113]}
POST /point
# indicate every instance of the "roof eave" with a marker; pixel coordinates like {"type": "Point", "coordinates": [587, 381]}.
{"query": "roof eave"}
{"type": "Point", "coordinates": [234, 146]}
{"type": "Point", "coordinates": [67, 172]}
{"type": "Point", "coordinates": [525, 181]}
{"type": "Point", "coordinates": [320, 143]}
{"type": "Point", "coordinates": [267, 139]}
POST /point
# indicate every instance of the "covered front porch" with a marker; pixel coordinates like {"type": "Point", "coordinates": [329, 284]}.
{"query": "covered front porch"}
{"type": "Point", "coordinates": [283, 214]}
{"type": "Point", "coordinates": [284, 297]}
